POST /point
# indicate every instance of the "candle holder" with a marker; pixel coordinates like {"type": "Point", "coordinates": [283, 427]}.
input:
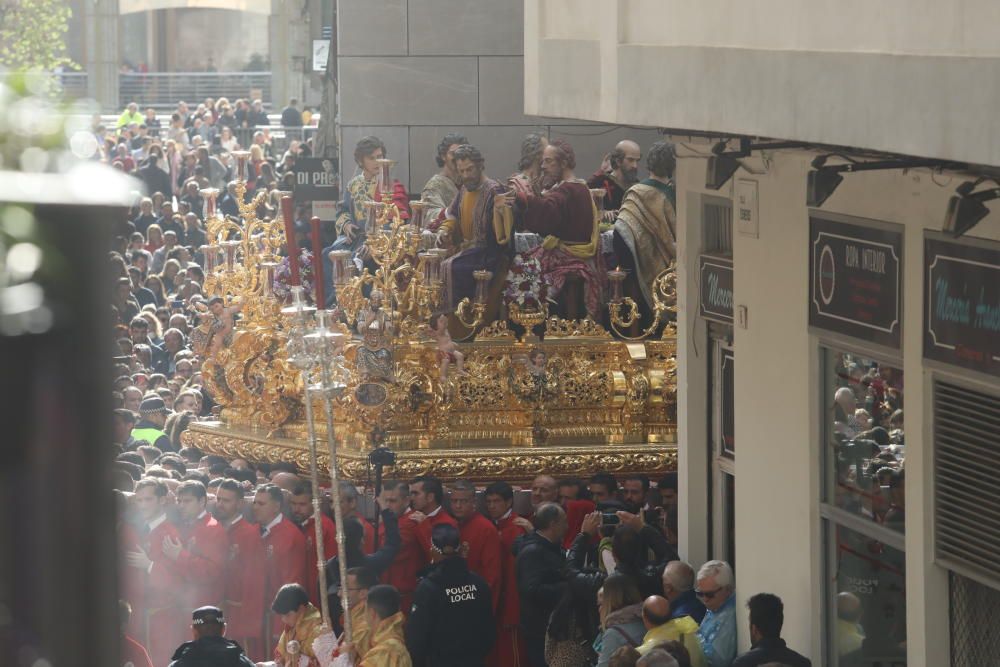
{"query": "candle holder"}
{"type": "Point", "coordinates": [339, 260]}
{"type": "Point", "coordinates": [209, 195]}
{"type": "Point", "coordinates": [267, 270]}
{"type": "Point", "coordinates": [616, 277]}
{"type": "Point", "coordinates": [624, 312]}
{"type": "Point", "coordinates": [385, 176]}
{"type": "Point", "coordinates": [315, 350]}
{"type": "Point", "coordinates": [211, 255]}
{"type": "Point", "coordinates": [242, 162]}
{"type": "Point", "coordinates": [229, 248]}
{"type": "Point", "coordinates": [374, 212]}
{"type": "Point", "coordinates": [473, 321]}
{"type": "Point", "coordinates": [418, 210]}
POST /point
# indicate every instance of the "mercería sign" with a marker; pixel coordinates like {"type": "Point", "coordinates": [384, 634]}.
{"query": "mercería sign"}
{"type": "Point", "coordinates": [315, 179]}
{"type": "Point", "coordinates": [716, 301]}
{"type": "Point", "coordinates": [856, 279]}
{"type": "Point", "coordinates": [962, 302]}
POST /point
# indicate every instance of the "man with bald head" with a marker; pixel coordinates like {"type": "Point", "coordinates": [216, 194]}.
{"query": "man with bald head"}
{"type": "Point", "coordinates": [617, 174]}
{"type": "Point", "coordinates": [660, 627]}
{"type": "Point", "coordinates": [285, 480]}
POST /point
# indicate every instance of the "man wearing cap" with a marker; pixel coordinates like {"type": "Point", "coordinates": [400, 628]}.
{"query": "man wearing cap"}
{"type": "Point", "coordinates": [152, 417]}
{"type": "Point", "coordinates": [451, 621]}
{"type": "Point", "coordinates": [244, 574]}
{"type": "Point", "coordinates": [210, 646]}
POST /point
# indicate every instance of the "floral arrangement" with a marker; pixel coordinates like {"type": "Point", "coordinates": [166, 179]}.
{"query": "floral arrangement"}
{"type": "Point", "coordinates": [525, 285]}
{"type": "Point", "coordinates": [283, 274]}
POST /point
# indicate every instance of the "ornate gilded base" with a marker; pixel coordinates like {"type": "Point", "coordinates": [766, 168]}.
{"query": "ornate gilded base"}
{"type": "Point", "coordinates": [515, 465]}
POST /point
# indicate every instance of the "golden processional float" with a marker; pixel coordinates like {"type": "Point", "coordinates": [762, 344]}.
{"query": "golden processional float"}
{"type": "Point", "coordinates": [570, 401]}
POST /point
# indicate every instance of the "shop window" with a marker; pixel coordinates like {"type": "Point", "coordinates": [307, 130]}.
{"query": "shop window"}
{"type": "Point", "coordinates": [865, 445]}
{"type": "Point", "coordinates": [863, 507]}
{"type": "Point", "coordinates": [869, 600]}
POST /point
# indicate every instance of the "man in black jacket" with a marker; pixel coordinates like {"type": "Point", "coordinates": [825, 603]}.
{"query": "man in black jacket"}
{"type": "Point", "coordinates": [209, 648]}
{"type": "Point", "coordinates": [451, 621]}
{"type": "Point", "coordinates": [541, 577]}
{"type": "Point", "coordinates": [767, 615]}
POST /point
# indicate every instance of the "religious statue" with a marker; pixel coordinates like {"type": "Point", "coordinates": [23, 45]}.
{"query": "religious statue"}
{"type": "Point", "coordinates": [447, 351]}
{"type": "Point", "coordinates": [565, 216]}
{"type": "Point", "coordinates": [374, 358]}
{"type": "Point", "coordinates": [215, 328]}
{"type": "Point", "coordinates": [645, 236]}
{"type": "Point", "coordinates": [441, 188]}
{"type": "Point", "coordinates": [480, 232]}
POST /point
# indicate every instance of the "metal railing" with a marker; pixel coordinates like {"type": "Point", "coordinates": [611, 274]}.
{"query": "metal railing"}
{"type": "Point", "coordinates": [158, 90]}
{"type": "Point", "coordinates": [163, 90]}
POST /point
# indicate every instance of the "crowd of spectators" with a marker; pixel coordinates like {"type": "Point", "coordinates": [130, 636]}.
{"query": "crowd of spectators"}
{"type": "Point", "coordinates": [570, 572]}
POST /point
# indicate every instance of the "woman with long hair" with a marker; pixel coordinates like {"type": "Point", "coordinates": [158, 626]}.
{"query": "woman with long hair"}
{"type": "Point", "coordinates": [154, 237]}
{"type": "Point", "coordinates": [571, 630]}
{"type": "Point", "coordinates": [227, 140]}
{"type": "Point", "coordinates": [155, 285]}
{"type": "Point", "coordinates": [620, 610]}
{"type": "Point", "coordinates": [170, 270]}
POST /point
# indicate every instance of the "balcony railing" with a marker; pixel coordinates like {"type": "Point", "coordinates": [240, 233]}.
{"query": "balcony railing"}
{"type": "Point", "coordinates": [163, 90]}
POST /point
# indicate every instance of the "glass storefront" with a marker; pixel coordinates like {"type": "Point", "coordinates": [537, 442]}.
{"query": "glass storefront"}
{"type": "Point", "coordinates": [864, 504]}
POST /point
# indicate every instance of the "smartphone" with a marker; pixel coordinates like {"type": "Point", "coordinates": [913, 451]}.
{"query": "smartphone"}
{"type": "Point", "coordinates": [177, 303]}
{"type": "Point", "coordinates": [609, 519]}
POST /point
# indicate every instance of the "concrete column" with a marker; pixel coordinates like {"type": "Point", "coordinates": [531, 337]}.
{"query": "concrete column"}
{"type": "Point", "coordinates": [291, 50]}
{"type": "Point", "coordinates": [692, 377]}
{"type": "Point", "coordinates": [101, 25]}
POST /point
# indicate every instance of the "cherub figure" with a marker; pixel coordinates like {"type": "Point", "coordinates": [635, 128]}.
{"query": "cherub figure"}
{"type": "Point", "coordinates": [537, 360]}
{"type": "Point", "coordinates": [447, 351]}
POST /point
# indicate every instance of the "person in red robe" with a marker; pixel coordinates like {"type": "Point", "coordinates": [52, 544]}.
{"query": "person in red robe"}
{"type": "Point", "coordinates": [426, 494]}
{"type": "Point", "coordinates": [403, 572]}
{"type": "Point", "coordinates": [349, 506]}
{"type": "Point", "coordinates": [201, 551]}
{"type": "Point", "coordinates": [284, 548]}
{"type": "Point", "coordinates": [480, 538]}
{"type": "Point", "coordinates": [159, 614]}
{"type": "Point", "coordinates": [244, 574]}
{"type": "Point", "coordinates": [303, 515]}
{"type": "Point", "coordinates": [509, 649]}
{"type": "Point", "coordinates": [130, 651]}
{"type": "Point", "coordinates": [566, 218]}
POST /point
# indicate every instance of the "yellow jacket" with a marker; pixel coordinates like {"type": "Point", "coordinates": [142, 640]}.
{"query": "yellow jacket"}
{"type": "Point", "coordinates": [388, 647]}
{"type": "Point", "coordinates": [684, 630]}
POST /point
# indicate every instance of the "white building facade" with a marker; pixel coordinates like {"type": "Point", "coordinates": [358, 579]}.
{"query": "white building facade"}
{"type": "Point", "coordinates": [861, 290]}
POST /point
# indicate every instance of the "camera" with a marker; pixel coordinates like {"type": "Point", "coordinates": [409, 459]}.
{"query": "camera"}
{"type": "Point", "coordinates": [609, 519]}
{"type": "Point", "coordinates": [382, 456]}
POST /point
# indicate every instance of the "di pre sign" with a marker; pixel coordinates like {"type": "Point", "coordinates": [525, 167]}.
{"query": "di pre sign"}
{"type": "Point", "coordinates": [315, 179]}
{"type": "Point", "coordinates": [962, 302]}
{"type": "Point", "coordinates": [855, 279]}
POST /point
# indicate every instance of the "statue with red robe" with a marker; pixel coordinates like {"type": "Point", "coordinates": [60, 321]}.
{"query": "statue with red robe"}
{"type": "Point", "coordinates": [565, 217]}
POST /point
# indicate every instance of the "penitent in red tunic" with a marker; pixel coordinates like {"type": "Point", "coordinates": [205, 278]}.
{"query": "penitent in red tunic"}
{"type": "Point", "coordinates": [285, 558]}
{"type": "Point", "coordinates": [244, 587]}
{"type": "Point", "coordinates": [484, 552]}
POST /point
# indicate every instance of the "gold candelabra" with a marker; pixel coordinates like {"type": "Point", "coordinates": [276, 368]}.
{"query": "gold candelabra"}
{"type": "Point", "coordinates": [624, 312]}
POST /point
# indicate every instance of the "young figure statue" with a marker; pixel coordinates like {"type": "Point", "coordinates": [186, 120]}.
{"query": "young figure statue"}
{"type": "Point", "coordinates": [447, 350]}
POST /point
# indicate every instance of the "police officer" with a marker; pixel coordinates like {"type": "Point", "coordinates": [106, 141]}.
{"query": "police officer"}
{"type": "Point", "coordinates": [210, 647]}
{"type": "Point", "coordinates": [451, 622]}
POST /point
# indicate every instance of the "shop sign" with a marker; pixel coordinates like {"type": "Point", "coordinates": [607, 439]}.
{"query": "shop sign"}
{"type": "Point", "coordinates": [856, 279]}
{"type": "Point", "coordinates": [716, 275]}
{"type": "Point", "coordinates": [962, 302]}
{"type": "Point", "coordinates": [316, 181]}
